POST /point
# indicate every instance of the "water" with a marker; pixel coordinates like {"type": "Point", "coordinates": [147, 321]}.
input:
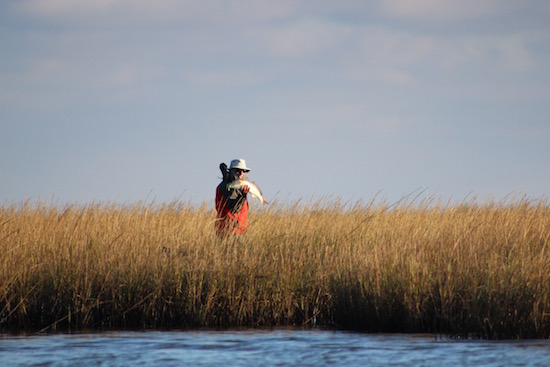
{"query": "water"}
{"type": "Point", "coordinates": [264, 348]}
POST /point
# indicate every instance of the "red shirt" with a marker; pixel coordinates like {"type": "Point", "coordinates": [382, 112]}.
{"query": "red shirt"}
{"type": "Point", "coordinates": [232, 211]}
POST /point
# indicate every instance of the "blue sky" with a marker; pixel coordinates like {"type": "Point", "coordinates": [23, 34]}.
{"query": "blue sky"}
{"type": "Point", "coordinates": [134, 100]}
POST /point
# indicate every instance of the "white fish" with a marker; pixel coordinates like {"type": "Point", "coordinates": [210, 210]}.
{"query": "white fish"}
{"type": "Point", "coordinates": [254, 189]}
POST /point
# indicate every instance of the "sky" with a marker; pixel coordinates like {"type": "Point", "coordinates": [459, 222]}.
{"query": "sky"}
{"type": "Point", "coordinates": [130, 101]}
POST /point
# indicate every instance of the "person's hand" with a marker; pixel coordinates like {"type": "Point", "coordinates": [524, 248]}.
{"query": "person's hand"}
{"type": "Point", "coordinates": [245, 189]}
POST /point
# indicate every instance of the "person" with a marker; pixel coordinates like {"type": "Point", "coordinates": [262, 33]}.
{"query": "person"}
{"type": "Point", "coordinates": [231, 203]}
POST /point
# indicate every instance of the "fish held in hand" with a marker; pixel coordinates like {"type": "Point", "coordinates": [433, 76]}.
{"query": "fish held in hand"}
{"type": "Point", "coordinates": [254, 189]}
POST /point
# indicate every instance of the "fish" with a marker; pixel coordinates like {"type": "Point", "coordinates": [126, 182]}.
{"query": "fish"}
{"type": "Point", "coordinates": [254, 189]}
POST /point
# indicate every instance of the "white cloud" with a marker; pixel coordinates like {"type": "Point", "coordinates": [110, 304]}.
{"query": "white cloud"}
{"type": "Point", "coordinates": [401, 48]}
{"type": "Point", "coordinates": [75, 73]}
{"type": "Point", "coordinates": [443, 11]}
{"type": "Point", "coordinates": [159, 12]}
{"type": "Point", "coordinates": [304, 38]}
{"type": "Point", "coordinates": [229, 78]}
{"type": "Point", "coordinates": [404, 58]}
{"type": "Point", "coordinates": [514, 55]}
{"type": "Point", "coordinates": [64, 8]}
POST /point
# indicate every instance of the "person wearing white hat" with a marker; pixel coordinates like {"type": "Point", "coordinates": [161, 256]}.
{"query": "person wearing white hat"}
{"type": "Point", "coordinates": [231, 203]}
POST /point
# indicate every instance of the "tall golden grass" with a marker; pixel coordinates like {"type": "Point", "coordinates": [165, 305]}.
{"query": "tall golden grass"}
{"type": "Point", "coordinates": [466, 269]}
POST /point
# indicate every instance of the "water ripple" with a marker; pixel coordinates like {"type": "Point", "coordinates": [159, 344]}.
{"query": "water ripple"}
{"type": "Point", "coordinates": [264, 348]}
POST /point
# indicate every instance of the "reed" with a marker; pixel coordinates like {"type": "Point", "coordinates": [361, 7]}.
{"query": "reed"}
{"type": "Point", "coordinates": [467, 269]}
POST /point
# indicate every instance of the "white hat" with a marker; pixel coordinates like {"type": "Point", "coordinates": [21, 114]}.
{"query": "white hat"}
{"type": "Point", "coordinates": [239, 164]}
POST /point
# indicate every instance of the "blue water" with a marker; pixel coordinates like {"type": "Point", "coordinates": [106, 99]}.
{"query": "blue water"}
{"type": "Point", "coordinates": [264, 348]}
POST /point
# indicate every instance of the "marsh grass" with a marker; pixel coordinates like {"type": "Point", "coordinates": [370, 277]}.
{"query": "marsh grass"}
{"type": "Point", "coordinates": [469, 269]}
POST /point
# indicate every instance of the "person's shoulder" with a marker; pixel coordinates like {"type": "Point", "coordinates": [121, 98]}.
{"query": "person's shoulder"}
{"type": "Point", "coordinates": [222, 185]}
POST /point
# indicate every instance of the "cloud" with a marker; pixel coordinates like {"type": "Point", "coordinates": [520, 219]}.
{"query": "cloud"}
{"type": "Point", "coordinates": [253, 42]}
{"type": "Point", "coordinates": [226, 78]}
{"type": "Point", "coordinates": [400, 57]}
{"type": "Point", "coordinates": [514, 54]}
{"type": "Point", "coordinates": [305, 37]}
{"type": "Point", "coordinates": [63, 8]}
{"type": "Point", "coordinates": [116, 13]}
{"type": "Point", "coordinates": [443, 11]}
